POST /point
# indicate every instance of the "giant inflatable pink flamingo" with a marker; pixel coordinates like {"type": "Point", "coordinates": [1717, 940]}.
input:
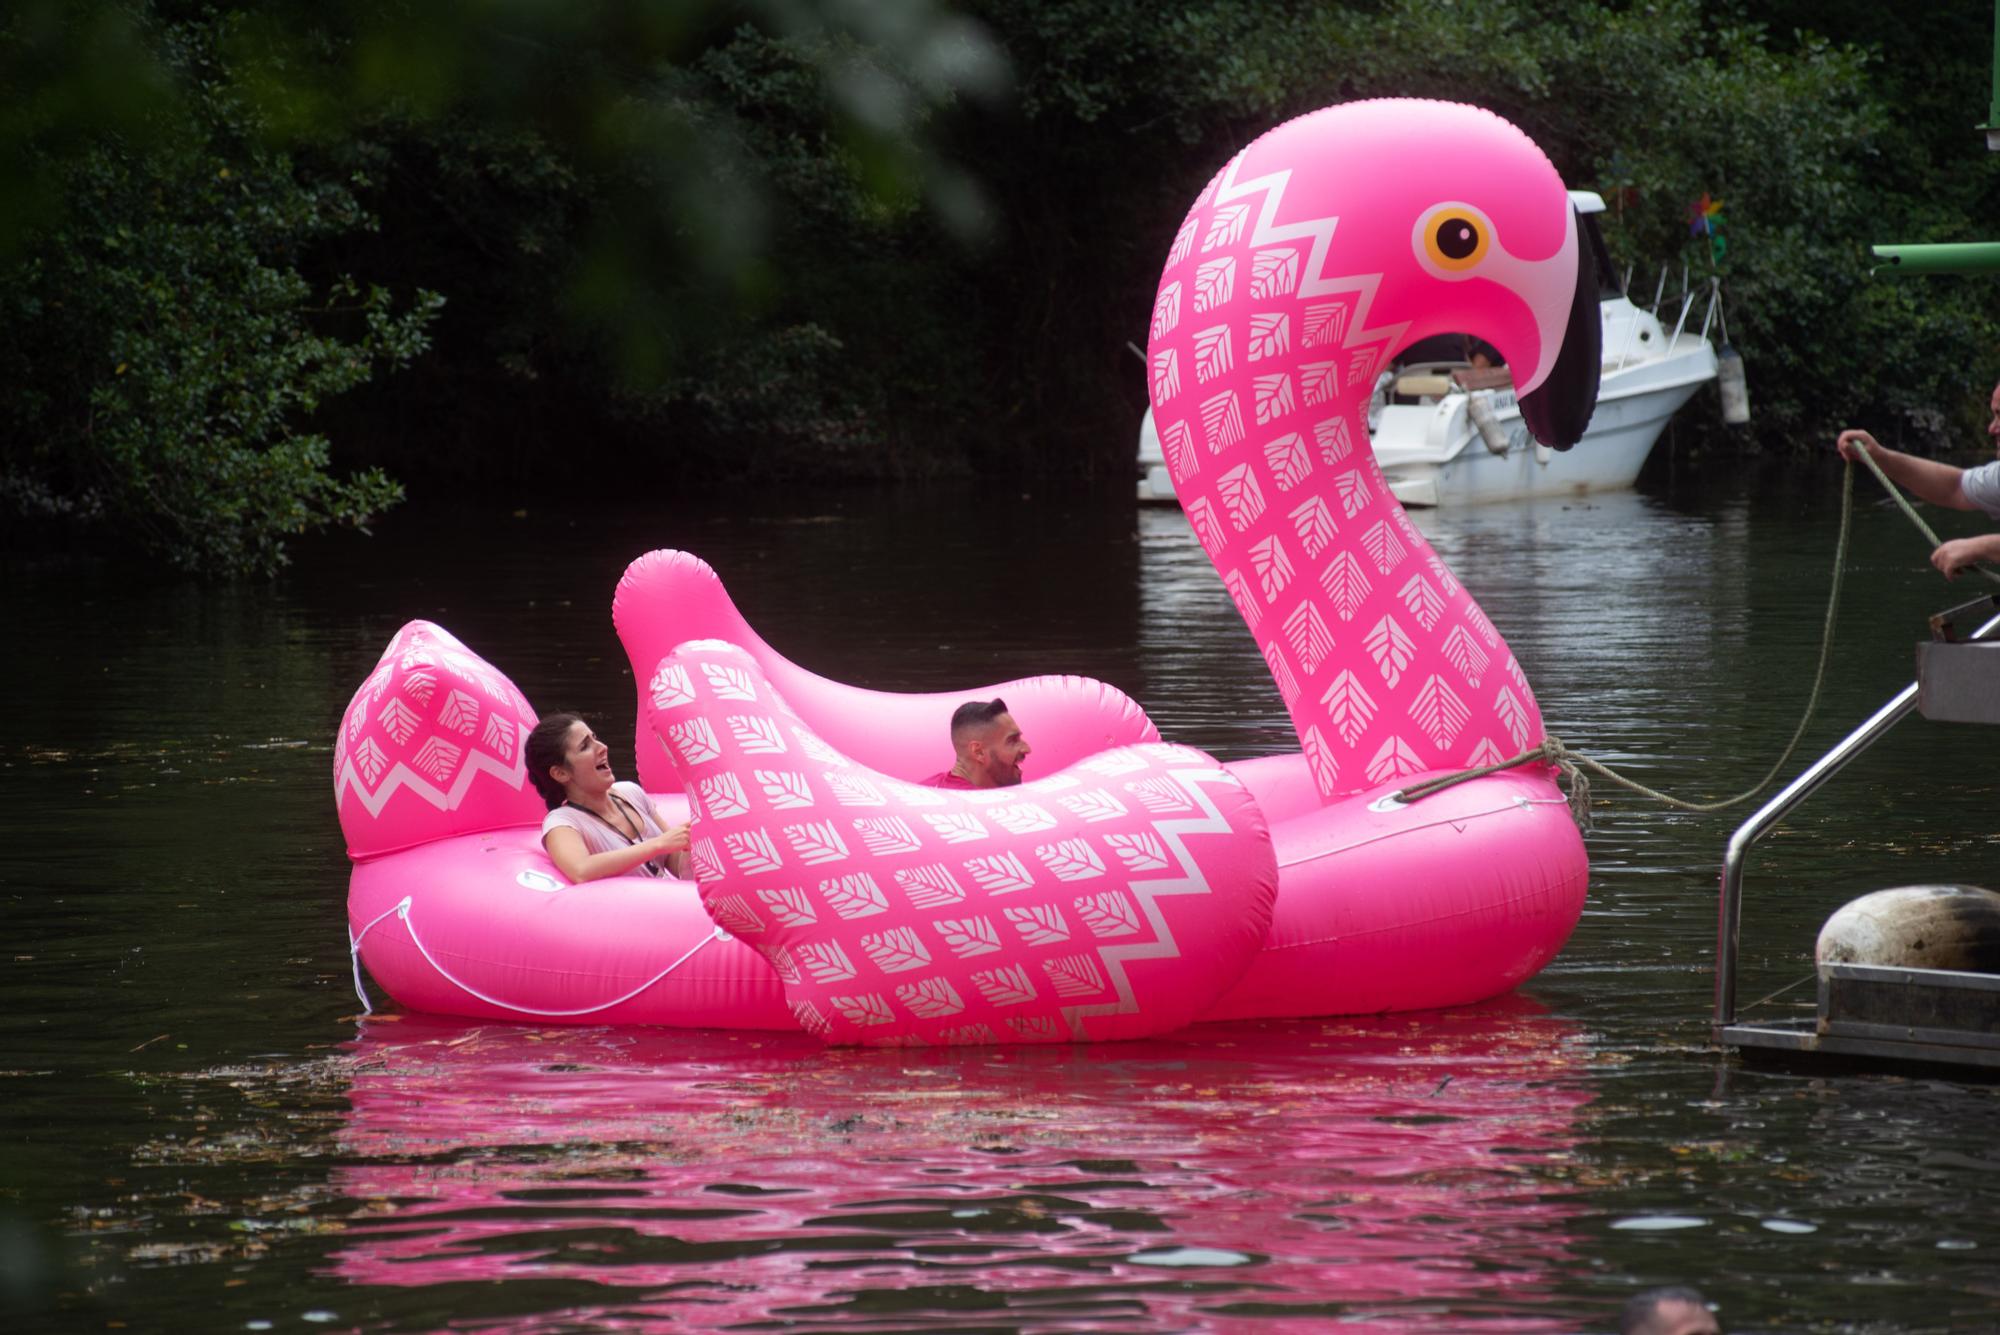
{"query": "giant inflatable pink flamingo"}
{"type": "Point", "coordinates": [1308, 261]}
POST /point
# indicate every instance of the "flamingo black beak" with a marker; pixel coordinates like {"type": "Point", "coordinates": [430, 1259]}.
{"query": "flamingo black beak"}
{"type": "Point", "coordinates": [1558, 409]}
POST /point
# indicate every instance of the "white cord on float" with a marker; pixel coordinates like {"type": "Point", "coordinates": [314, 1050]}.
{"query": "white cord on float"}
{"type": "Point", "coordinates": [402, 910]}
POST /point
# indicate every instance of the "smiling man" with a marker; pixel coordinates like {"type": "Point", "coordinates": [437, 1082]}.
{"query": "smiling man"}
{"type": "Point", "coordinates": [988, 745]}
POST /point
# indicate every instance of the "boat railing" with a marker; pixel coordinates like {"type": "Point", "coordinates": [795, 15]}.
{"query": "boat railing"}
{"type": "Point", "coordinates": [1730, 914]}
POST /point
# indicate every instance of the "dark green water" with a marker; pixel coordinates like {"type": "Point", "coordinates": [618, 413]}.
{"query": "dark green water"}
{"type": "Point", "coordinates": [196, 1133]}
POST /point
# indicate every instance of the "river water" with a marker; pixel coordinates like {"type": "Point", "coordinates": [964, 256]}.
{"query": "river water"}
{"type": "Point", "coordinates": [201, 1133]}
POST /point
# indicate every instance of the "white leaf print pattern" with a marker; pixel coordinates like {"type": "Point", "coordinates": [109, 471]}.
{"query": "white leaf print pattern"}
{"type": "Point", "coordinates": [1333, 440]}
{"type": "Point", "coordinates": [1439, 712]}
{"type": "Point", "coordinates": [1093, 806]}
{"type": "Point", "coordinates": [1288, 461]}
{"type": "Point", "coordinates": [1177, 443]}
{"type": "Point", "coordinates": [399, 721]}
{"type": "Point", "coordinates": [1035, 1029]}
{"type": "Point", "coordinates": [755, 736]}
{"type": "Point", "coordinates": [498, 737]}
{"type": "Point", "coordinates": [1039, 924]}
{"type": "Point", "coordinates": [1273, 397]}
{"type": "Point", "coordinates": [721, 796]}
{"type": "Point", "coordinates": [809, 1017]}
{"type": "Point", "coordinates": [1024, 818]}
{"type": "Point", "coordinates": [729, 683]}
{"type": "Point", "coordinates": [1390, 648]}
{"type": "Point", "coordinates": [1207, 527]}
{"type": "Point", "coordinates": [1240, 594]}
{"type": "Point", "coordinates": [785, 790]}
{"type": "Point", "coordinates": [854, 896]}
{"type": "Point", "coordinates": [370, 760]}
{"type": "Point", "coordinates": [816, 842]}
{"type": "Point", "coordinates": [1212, 355]}
{"type": "Point", "coordinates": [897, 950]}
{"type": "Point", "coordinates": [851, 790]}
{"type": "Point", "coordinates": [693, 741]}
{"type": "Point", "coordinates": [1383, 546]}
{"type": "Point", "coordinates": [930, 887]}
{"type": "Point", "coordinates": [1226, 227]}
{"type": "Point", "coordinates": [1422, 600]}
{"type": "Point", "coordinates": [1166, 311]}
{"type": "Point", "coordinates": [1346, 584]}
{"type": "Point", "coordinates": [1311, 641]}
{"type": "Point", "coordinates": [1319, 382]}
{"type": "Point", "coordinates": [1108, 914]}
{"type": "Point", "coordinates": [1274, 273]}
{"type": "Point", "coordinates": [1000, 873]}
{"type": "Point", "coordinates": [1273, 566]}
{"type": "Point", "coordinates": [436, 759]}
{"type": "Point", "coordinates": [968, 938]}
{"type": "Point", "coordinates": [1241, 496]}
{"type": "Point", "coordinates": [1160, 796]}
{"type": "Point", "coordinates": [790, 907]}
{"type": "Point", "coordinates": [1222, 421]}
{"type": "Point", "coordinates": [1184, 239]}
{"type": "Point", "coordinates": [930, 998]}
{"type": "Point", "coordinates": [1166, 375]}
{"type": "Point", "coordinates": [1315, 526]}
{"type": "Point", "coordinates": [1513, 716]}
{"type": "Point", "coordinates": [1393, 761]}
{"type": "Point", "coordinates": [956, 827]}
{"type": "Point", "coordinates": [865, 1011]}
{"type": "Point", "coordinates": [1319, 759]}
{"type": "Point", "coordinates": [1005, 987]}
{"type": "Point", "coordinates": [460, 713]}
{"type": "Point", "coordinates": [1071, 859]}
{"type": "Point", "coordinates": [733, 914]}
{"type": "Point", "coordinates": [1270, 335]}
{"type": "Point", "coordinates": [1214, 283]}
{"type": "Point", "coordinates": [753, 850]}
{"type": "Point", "coordinates": [1464, 653]}
{"type": "Point", "coordinates": [1486, 753]}
{"type": "Point", "coordinates": [1281, 672]}
{"type": "Point", "coordinates": [1348, 705]}
{"type": "Point", "coordinates": [1074, 976]}
{"type": "Point", "coordinates": [1352, 488]}
{"type": "Point", "coordinates": [818, 750]}
{"type": "Point", "coordinates": [1140, 851]}
{"type": "Point", "coordinates": [1325, 323]}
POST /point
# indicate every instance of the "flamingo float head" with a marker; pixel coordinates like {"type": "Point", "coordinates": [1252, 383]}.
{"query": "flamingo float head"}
{"type": "Point", "coordinates": [1317, 253]}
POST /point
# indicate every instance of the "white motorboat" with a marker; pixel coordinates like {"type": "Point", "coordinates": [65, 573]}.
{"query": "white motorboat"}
{"type": "Point", "coordinates": [1447, 432]}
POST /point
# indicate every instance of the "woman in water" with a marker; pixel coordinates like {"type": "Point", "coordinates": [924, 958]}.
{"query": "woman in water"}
{"type": "Point", "coordinates": [596, 826]}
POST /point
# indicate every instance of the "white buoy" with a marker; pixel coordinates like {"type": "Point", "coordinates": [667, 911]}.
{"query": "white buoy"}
{"type": "Point", "coordinates": [1916, 927]}
{"type": "Point", "coordinates": [1479, 407]}
{"type": "Point", "coordinates": [1735, 389]}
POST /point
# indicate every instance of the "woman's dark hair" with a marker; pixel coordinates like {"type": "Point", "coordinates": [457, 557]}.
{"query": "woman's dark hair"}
{"type": "Point", "coordinates": [545, 749]}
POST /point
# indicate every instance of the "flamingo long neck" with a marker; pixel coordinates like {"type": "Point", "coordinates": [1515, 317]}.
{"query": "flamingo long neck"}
{"type": "Point", "coordinates": [1261, 365]}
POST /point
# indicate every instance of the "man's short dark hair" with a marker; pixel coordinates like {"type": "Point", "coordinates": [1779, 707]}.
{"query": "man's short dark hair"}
{"type": "Point", "coordinates": [1639, 1308]}
{"type": "Point", "coordinates": [974, 715]}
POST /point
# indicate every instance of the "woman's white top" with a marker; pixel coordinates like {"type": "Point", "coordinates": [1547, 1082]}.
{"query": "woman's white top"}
{"type": "Point", "coordinates": [599, 836]}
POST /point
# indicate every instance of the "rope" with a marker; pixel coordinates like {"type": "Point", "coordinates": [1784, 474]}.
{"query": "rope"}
{"type": "Point", "coordinates": [402, 910]}
{"type": "Point", "coordinates": [1903, 504]}
{"type": "Point", "coordinates": [1572, 764]}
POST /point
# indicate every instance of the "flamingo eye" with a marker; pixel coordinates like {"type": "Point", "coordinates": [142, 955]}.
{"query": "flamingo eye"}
{"type": "Point", "coordinates": [1454, 237]}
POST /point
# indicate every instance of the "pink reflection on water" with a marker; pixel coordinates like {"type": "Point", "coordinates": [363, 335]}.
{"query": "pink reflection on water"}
{"type": "Point", "coordinates": [1400, 1173]}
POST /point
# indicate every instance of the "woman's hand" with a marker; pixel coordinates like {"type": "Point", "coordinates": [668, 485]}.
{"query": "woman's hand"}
{"type": "Point", "coordinates": [675, 840]}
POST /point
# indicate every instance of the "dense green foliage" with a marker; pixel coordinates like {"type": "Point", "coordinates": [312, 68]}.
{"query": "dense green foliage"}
{"type": "Point", "coordinates": [772, 238]}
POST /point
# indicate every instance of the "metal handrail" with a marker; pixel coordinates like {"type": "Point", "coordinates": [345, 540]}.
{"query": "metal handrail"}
{"type": "Point", "coordinates": [1730, 922]}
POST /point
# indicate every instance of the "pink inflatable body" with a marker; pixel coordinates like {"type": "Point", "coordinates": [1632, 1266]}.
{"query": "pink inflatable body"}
{"type": "Point", "coordinates": [1116, 899]}
{"type": "Point", "coordinates": [1315, 255]}
{"type": "Point", "coordinates": [454, 907]}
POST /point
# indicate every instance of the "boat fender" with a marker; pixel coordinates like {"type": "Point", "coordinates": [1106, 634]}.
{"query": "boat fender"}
{"type": "Point", "coordinates": [1479, 407]}
{"type": "Point", "coordinates": [1916, 927]}
{"type": "Point", "coordinates": [1735, 389]}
